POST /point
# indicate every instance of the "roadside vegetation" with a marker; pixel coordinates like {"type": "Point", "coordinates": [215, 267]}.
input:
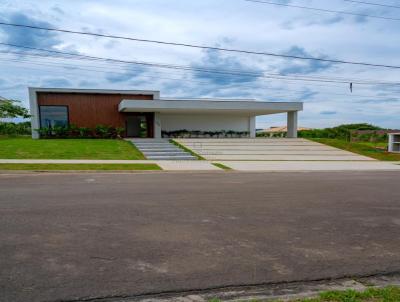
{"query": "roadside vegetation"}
{"type": "Point", "coordinates": [363, 139]}
{"type": "Point", "coordinates": [348, 132]}
{"type": "Point", "coordinates": [371, 149]}
{"type": "Point", "coordinates": [27, 148]}
{"type": "Point", "coordinates": [388, 294]}
{"type": "Point", "coordinates": [80, 167]}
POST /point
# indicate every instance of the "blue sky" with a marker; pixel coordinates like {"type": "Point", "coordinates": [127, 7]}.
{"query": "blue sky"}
{"type": "Point", "coordinates": [224, 23]}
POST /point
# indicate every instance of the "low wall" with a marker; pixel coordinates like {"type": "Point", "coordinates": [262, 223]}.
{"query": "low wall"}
{"type": "Point", "coordinates": [199, 122]}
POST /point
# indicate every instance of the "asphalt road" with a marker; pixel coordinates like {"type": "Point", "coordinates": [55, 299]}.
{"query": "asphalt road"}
{"type": "Point", "coordinates": [66, 237]}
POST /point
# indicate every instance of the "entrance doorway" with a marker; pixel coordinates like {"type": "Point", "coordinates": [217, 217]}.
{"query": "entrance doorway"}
{"type": "Point", "coordinates": [139, 125]}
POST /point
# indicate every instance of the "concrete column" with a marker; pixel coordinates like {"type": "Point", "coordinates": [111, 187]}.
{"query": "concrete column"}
{"type": "Point", "coordinates": [292, 124]}
{"type": "Point", "coordinates": [157, 125]}
{"type": "Point", "coordinates": [252, 126]}
{"type": "Point", "coordinates": [34, 112]}
{"type": "Point", "coordinates": [391, 145]}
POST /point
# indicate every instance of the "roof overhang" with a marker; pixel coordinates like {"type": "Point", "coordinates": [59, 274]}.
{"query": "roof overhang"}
{"type": "Point", "coordinates": [250, 108]}
{"type": "Point", "coordinates": [154, 93]}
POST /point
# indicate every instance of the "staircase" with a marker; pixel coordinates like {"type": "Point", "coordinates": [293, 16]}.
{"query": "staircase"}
{"type": "Point", "coordinates": [161, 149]}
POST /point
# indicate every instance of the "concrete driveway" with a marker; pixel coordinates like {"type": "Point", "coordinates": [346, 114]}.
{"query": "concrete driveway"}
{"type": "Point", "coordinates": [268, 149]}
{"type": "Point", "coordinates": [83, 236]}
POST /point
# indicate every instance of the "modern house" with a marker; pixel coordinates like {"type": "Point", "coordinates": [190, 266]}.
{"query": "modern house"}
{"type": "Point", "coordinates": [145, 114]}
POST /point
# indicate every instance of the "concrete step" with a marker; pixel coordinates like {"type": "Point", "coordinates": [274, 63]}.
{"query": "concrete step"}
{"type": "Point", "coordinates": [155, 157]}
{"type": "Point", "coordinates": [157, 146]}
{"type": "Point", "coordinates": [147, 154]}
{"type": "Point", "coordinates": [161, 150]}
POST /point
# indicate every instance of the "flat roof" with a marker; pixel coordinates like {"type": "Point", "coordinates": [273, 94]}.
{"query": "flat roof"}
{"type": "Point", "coordinates": [240, 107]}
{"type": "Point", "coordinates": [99, 91]}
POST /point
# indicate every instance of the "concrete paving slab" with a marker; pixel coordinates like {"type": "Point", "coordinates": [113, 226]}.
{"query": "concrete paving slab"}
{"type": "Point", "coordinates": [268, 149]}
{"type": "Point", "coordinates": [284, 157]}
{"type": "Point", "coordinates": [276, 166]}
{"type": "Point", "coordinates": [187, 165]}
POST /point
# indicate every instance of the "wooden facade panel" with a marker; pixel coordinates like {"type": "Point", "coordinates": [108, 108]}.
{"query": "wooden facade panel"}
{"type": "Point", "coordinates": [90, 110]}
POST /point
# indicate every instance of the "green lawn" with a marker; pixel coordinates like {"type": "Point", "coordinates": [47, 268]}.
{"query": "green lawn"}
{"type": "Point", "coordinates": [374, 150]}
{"type": "Point", "coordinates": [80, 167]}
{"type": "Point", "coordinates": [388, 294]}
{"type": "Point", "coordinates": [27, 148]}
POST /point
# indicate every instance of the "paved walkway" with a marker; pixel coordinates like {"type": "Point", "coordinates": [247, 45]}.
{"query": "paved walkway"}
{"type": "Point", "coordinates": [276, 166]}
{"type": "Point", "coordinates": [168, 165]}
{"type": "Point", "coordinates": [201, 165]}
{"type": "Point", "coordinates": [267, 166]}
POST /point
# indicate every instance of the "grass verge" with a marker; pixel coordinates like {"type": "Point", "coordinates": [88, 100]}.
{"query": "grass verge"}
{"type": "Point", "coordinates": [27, 148]}
{"type": "Point", "coordinates": [80, 167]}
{"type": "Point", "coordinates": [388, 294]}
{"type": "Point", "coordinates": [374, 150]}
{"type": "Point", "coordinates": [199, 157]}
{"type": "Point", "coordinates": [221, 166]}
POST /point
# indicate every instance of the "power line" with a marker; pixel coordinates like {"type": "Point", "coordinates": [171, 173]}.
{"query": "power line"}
{"type": "Point", "coordinates": [324, 10]}
{"type": "Point", "coordinates": [209, 47]}
{"type": "Point", "coordinates": [198, 69]}
{"type": "Point", "coordinates": [61, 64]}
{"type": "Point", "coordinates": [370, 3]}
{"type": "Point", "coordinates": [190, 81]}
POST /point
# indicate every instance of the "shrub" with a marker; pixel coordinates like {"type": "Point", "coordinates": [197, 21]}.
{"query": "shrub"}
{"type": "Point", "coordinates": [44, 132]}
{"type": "Point", "coordinates": [100, 131]}
{"type": "Point", "coordinates": [343, 132]}
{"type": "Point", "coordinates": [84, 132]}
{"type": "Point", "coordinates": [103, 131]}
{"type": "Point", "coordinates": [8, 128]}
{"type": "Point", "coordinates": [119, 132]}
{"type": "Point", "coordinates": [59, 131]}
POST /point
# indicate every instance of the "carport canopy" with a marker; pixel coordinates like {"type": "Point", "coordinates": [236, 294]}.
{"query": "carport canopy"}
{"type": "Point", "coordinates": [242, 107]}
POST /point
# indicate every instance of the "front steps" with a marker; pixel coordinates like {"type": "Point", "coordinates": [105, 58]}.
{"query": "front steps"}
{"type": "Point", "coordinates": [161, 149]}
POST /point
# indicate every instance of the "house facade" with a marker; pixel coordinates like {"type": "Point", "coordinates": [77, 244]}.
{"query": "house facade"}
{"type": "Point", "coordinates": [144, 114]}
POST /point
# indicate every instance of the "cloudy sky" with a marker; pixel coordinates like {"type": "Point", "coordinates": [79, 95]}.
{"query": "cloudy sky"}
{"type": "Point", "coordinates": [237, 24]}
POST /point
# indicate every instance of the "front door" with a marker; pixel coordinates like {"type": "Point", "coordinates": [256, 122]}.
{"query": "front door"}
{"type": "Point", "coordinates": [137, 126]}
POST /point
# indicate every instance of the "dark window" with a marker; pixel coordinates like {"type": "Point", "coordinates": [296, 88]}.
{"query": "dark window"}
{"type": "Point", "coordinates": [51, 116]}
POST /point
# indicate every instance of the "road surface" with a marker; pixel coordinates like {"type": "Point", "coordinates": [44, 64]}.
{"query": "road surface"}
{"type": "Point", "coordinates": [75, 236]}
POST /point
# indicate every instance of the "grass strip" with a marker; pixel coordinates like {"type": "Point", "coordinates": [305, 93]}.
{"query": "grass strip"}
{"type": "Point", "coordinates": [199, 157]}
{"type": "Point", "coordinates": [387, 294]}
{"type": "Point", "coordinates": [80, 167]}
{"type": "Point", "coordinates": [222, 166]}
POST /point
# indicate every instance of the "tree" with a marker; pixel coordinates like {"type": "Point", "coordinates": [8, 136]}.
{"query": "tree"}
{"type": "Point", "coordinates": [11, 109]}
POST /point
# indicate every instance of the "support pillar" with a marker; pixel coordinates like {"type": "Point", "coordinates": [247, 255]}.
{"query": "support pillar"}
{"type": "Point", "coordinates": [157, 125]}
{"type": "Point", "coordinates": [292, 124]}
{"type": "Point", "coordinates": [252, 126]}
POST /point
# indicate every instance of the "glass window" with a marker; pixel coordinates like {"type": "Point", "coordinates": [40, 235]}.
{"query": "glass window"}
{"type": "Point", "coordinates": [51, 116]}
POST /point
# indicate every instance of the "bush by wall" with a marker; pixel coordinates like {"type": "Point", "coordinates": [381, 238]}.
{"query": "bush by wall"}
{"type": "Point", "coordinates": [8, 128]}
{"type": "Point", "coordinates": [272, 134]}
{"type": "Point", "coordinates": [100, 131]}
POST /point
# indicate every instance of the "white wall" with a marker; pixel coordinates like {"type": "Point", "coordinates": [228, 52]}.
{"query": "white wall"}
{"type": "Point", "coordinates": [202, 122]}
